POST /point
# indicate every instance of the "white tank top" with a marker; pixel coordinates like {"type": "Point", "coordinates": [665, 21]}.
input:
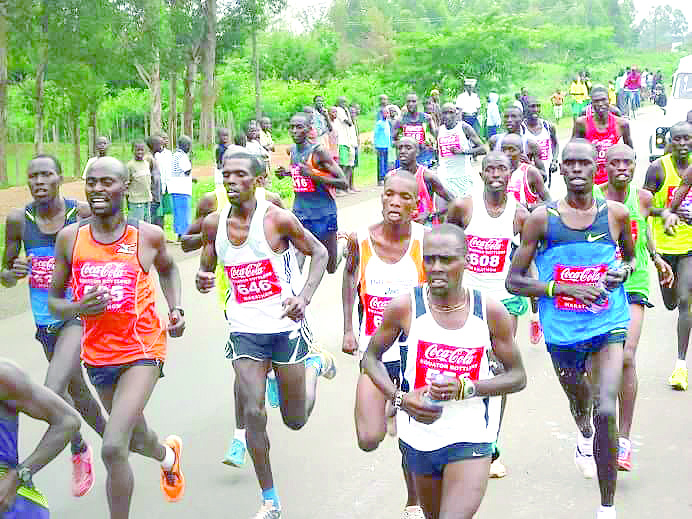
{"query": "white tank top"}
{"type": "Point", "coordinates": [380, 282]}
{"type": "Point", "coordinates": [455, 170]}
{"type": "Point", "coordinates": [464, 351]}
{"type": "Point", "coordinates": [543, 140]}
{"type": "Point", "coordinates": [489, 245]}
{"type": "Point", "coordinates": [519, 186]}
{"type": "Point", "coordinates": [259, 279]}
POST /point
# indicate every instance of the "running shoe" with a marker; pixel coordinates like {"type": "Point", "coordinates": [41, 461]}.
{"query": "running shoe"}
{"type": "Point", "coordinates": [272, 392]}
{"type": "Point", "coordinates": [535, 331]}
{"type": "Point", "coordinates": [324, 359]}
{"type": "Point", "coordinates": [624, 454]}
{"type": "Point", "coordinates": [585, 463]}
{"type": "Point", "coordinates": [82, 472]}
{"type": "Point", "coordinates": [497, 470]}
{"type": "Point", "coordinates": [678, 380]}
{"type": "Point", "coordinates": [173, 481]}
{"type": "Point", "coordinates": [413, 512]}
{"type": "Point", "coordinates": [236, 454]}
{"type": "Point", "coordinates": [606, 512]}
{"type": "Point", "coordinates": [268, 511]}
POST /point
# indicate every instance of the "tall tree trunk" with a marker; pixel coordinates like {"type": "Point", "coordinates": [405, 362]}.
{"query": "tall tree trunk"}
{"type": "Point", "coordinates": [155, 92]}
{"type": "Point", "coordinates": [189, 103]}
{"type": "Point", "coordinates": [255, 62]}
{"type": "Point", "coordinates": [208, 97]}
{"type": "Point", "coordinates": [94, 134]}
{"type": "Point", "coordinates": [172, 112]}
{"type": "Point", "coordinates": [3, 92]}
{"type": "Point", "coordinates": [38, 104]}
{"type": "Point", "coordinates": [76, 144]}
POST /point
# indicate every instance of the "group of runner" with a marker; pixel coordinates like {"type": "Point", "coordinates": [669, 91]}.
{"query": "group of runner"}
{"type": "Point", "coordinates": [438, 307]}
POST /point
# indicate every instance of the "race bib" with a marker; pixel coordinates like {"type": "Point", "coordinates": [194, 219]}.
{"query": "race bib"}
{"type": "Point", "coordinates": [120, 279]}
{"type": "Point", "coordinates": [451, 361]}
{"type": "Point", "coordinates": [577, 276]}
{"type": "Point", "coordinates": [602, 146]}
{"type": "Point", "coordinates": [447, 142]}
{"type": "Point", "coordinates": [671, 193]}
{"type": "Point", "coordinates": [415, 131]}
{"type": "Point", "coordinates": [486, 255]}
{"type": "Point", "coordinates": [544, 149]}
{"type": "Point", "coordinates": [253, 281]}
{"type": "Point", "coordinates": [41, 272]}
{"type": "Point", "coordinates": [374, 309]}
{"type": "Point", "coordinates": [301, 184]}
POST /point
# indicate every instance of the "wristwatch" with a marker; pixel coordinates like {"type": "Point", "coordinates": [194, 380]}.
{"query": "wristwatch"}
{"type": "Point", "coordinates": [398, 399]}
{"type": "Point", "coordinates": [179, 308]}
{"type": "Point", "coordinates": [24, 476]}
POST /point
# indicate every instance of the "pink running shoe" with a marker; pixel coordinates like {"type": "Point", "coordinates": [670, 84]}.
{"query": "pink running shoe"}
{"type": "Point", "coordinates": [536, 332]}
{"type": "Point", "coordinates": [82, 472]}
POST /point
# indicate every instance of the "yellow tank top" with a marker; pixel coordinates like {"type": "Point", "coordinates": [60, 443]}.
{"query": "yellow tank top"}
{"type": "Point", "coordinates": [681, 241]}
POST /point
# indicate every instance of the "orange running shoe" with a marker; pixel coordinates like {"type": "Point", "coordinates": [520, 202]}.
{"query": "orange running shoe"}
{"type": "Point", "coordinates": [173, 481]}
{"type": "Point", "coordinates": [536, 332]}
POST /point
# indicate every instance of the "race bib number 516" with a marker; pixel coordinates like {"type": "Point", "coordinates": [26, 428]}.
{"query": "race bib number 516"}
{"type": "Point", "coordinates": [253, 281]}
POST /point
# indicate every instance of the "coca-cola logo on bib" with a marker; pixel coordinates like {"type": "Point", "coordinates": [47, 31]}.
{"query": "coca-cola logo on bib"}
{"type": "Point", "coordinates": [487, 244]}
{"type": "Point", "coordinates": [248, 270]}
{"type": "Point", "coordinates": [374, 309]}
{"type": "Point", "coordinates": [113, 270]}
{"type": "Point", "coordinates": [253, 281]}
{"type": "Point", "coordinates": [378, 304]}
{"type": "Point", "coordinates": [576, 275]}
{"type": "Point", "coordinates": [486, 255]}
{"type": "Point", "coordinates": [459, 356]}
{"type": "Point", "coordinates": [453, 361]}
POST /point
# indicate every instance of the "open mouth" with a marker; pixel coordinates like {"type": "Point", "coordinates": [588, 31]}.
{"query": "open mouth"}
{"type": "Point", "coordinates": [98, 202]}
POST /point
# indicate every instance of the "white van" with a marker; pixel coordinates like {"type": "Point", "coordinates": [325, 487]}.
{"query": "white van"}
{"type": "Point", "coordinates": [679, 103]}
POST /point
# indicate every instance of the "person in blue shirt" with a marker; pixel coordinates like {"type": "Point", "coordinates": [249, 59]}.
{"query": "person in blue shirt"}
{"type": "Point", "coordinates": [382, 140]}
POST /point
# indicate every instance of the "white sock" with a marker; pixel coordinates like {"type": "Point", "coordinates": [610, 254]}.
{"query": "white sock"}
{"type": "Point", "coordinates": [680, 364]}
{"type": "Point", "coordinates": [168, 459]}
{"type": "Point", "coordinates": [606, 512]}
{"type": "Point", "coordinates": [239, 435]}
{"type": "Point", "coordinates": [585, 444]}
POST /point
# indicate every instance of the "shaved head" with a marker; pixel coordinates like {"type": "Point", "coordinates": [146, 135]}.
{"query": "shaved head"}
{"type": "Point", "coordinates": [405, 175]}
{"type": "Point", "coordinates": [579, 142]}
{"type": "Point", "coordinates": [620, 148]}
{"type": "Point", "coordinates": [496, 156]}
{"type": "Point", "coordinates": [110, 165]}
{"type": "Point", "coordinates": [514, 139]}
{"type": "Point", "coordinates": [448, 229]}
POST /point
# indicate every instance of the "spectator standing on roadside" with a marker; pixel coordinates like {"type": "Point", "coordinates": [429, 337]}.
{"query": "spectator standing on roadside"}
{"type": "Point", "coordinates": [382, 140]}
{"type": "Point", "coordinates": [493, 120]}
{"type": "Point", "coordinates": [579, 95]}
{"type": "Point", "coordinates": [517, 102]}
{"type": "Point", "coordinates": [102, 144]}
{"type": "Point", "coordinates": [223, 136]}
{"type": "Point", "coordinates": [394, 117]}
{"type": "Point", "coordinates": [435, 109]}
{"type": "Point", "coordinates": [354, 134]}
{"type": "Point", "coordinates": [382, 110]}
{"type": "Point", "coordinates": [620, 89]}
{"type": "Point", "coordinates": [322, 123]}
{"type": "Point", "coordinates": [266, 139]}
{"type": "Point", "coordinates": [469, 104]}
{"type": "Point", "coordinates": [180, 185]}
{"type": "Point", "coordinates": [253, 144]}
{"type": "Point", "coordinates": [557, 99]}
{"type": "Point", "coordinates": [342, 124]}
{"type": "Point", "coordinates": [524, 100]}
{"type": "Point", "coordinates": [139, 183]}
{"type": "Point", "coordinates": [164, 158]}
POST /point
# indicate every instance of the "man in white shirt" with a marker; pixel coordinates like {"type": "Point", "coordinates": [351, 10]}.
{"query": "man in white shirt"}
{"type": "Point", "coordinates": [102, 143]}
{"type": "Point", "coordinates": [164, 158]}
{"type": "Point", "coordinates": [469, 104]}
{"type": "Point", "coordinates": [342, 125]}
{"type": "Point", "coordinates": [179, 185]}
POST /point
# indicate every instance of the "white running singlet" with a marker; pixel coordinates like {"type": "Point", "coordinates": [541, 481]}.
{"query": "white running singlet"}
{"type": "Point", "coordinates": [259, 279]}
{"type": "Point", "coordinates": [519, 186]}
{"type": "Point", "coordinates": [489, 242]}
{"type": "Point", "coordinates": [380, 282]}
{"type": "Point", "coordinates": [464, 351]}
{"type": "Point", "coordinates": [543, 140]}
{"type": "Point", "coordinates": [455, 170]}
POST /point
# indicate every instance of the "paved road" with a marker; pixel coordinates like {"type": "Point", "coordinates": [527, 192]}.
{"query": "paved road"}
{"type": "Point", "coordinates": [319, 471]}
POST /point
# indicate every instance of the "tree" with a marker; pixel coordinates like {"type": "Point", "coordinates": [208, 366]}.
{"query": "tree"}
{"type": "Point", "coordinates": [4, 44]}
{"type": "Point", "coordinates": [208, 97]}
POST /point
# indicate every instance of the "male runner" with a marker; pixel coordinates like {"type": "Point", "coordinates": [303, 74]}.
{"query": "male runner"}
{"type": "Point", "coordinates": [544, 133]}
{"type": "Point", "coordinates": [413, 124]}
{"type": "Point", "coordinates": [673, 237]}
{"type": "Point", "coordinates": [583, 307]}
{"type": "Point", "coordinates": [451, 331]}
{"type": "Point", "coordinates": [256, 243]}
{"type": "Point", "coordinates": [315, 175]}
{"type": "Point", "coordinates": [457, 141]}
{"type": "Point", "coordinates": [620, 166]}
{"type": "Point", "coordinates": [109, 260]}
{"type": "Point", "coordinates": [602, 128]}
{"type": "Point", "coordinates": [384, 260]}
{"type": "Point", "coordinates": [34, 227]}
{"type": "Point", "coordinates": [491, 218]}
{"type": "Point", "coordinates": [18, 394]}
{"type": "Point", "coordinates": [513, 118]}
{"type": "Point", "coordinates": [428, 182]}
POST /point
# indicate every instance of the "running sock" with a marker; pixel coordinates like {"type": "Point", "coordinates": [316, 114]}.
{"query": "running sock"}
{"type": "Point", "coordinates": [680, 364]}
{"type": "Point", "coordinates": [168, 459]}
{"type": "Point", "coordinates": [239, 435]}
{"type": "Point", "coordinates": [78, 446]}
{"type": "Point", "coordinates": [271, 495]}
{"type": "Point", "coordinates": [585, 444]}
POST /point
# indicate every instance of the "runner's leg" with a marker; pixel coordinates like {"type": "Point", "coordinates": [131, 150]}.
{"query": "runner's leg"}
{"type": "Point", "coordinates": [578, 392]}
{"type": "Point", "coordinates": [329, 241]}
{"type": "Point", "coordinates": [463, 487]}
{"type": "Point", "coordinates": [369, 414]}
{"type": "Point", "coordinates": [628, 392]}
{"type": "Point", "coordinates": [684, 289]}
{"type": "Point", "coordinates": [429, 490]}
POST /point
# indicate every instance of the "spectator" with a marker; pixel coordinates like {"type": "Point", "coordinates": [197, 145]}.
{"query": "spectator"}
{"type": "Point", "coordinates": [266, 139]}
{"type": "Point", "coordinates": [382, 110]}
{"type": "Point", "coordinates": [333, 138]}
{"type": "Point", "coordinates": [557, 99]}
{"type": "Point", "coordinates": [435, 110]}
{"type": "Point", "coordinates": [620, 89]}
{"type": "Point", "coordinates": [493, 120]}
{"type": "Point", "coordinates": [354, 135]}
{"type": "Point", "coordinates": [156, 189]}
{"type": "Point", "coordinates": [321, 122]}
{"type": "Point", "coordinates": [517, 102]}
{"type": "Point", "coordinates": [469, 103]}
{"type": "Point", "coordinates": [382, 140]}
{"type": "Point", "coordinates": [394, 118]}
{"type": "Point", "coordinates": [164, 159]}
{"type": "Point", "coordinates": [102, 144]}
{"type": "Point", "coordinates": [342, 125]}
{"type": "Point", "coordinates": [579, 95]}
{"type": "Point", "coordinates": [139, 173]}
{"type": "Point", "coordinates": [253, 143]}
{"type": "Point", "coordinates": [633, 84]}
{"type": "Point", "coordinates": [180, 185]}
{"type": "Point", "coordinates": [524, 100]}
{"type": "Point", "coordinates": [223, 136]}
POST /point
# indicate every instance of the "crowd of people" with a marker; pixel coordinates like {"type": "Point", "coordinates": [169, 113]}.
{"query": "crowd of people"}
{"type": "Point", "coordinates": [431, 293]}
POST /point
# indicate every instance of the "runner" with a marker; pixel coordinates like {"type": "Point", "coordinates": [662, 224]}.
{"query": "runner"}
{"type": "Point", "coordinates": [583, 307]}
{"type": "Point", "coordinates": [256, 243]}
{"type": "Point", "coordinates": [491, 219]}
{"type": "Point", "coordinates": [602, 128]}
{"type": "Point", "coordinates": [315, 175]}
{"type": "Point", "coordinates": [34, 227]}
{"type": "Point", "coordinates": [513, 118]}
{"type": "Point", "coordinates": [673, 237]}
{"type": "Point", "coordinates": [526, 182]}
{"type": "Point", "coordinates": [428, 182]}
{"type": "Point", "coordinates": [384, 260]}
{"type": "Point", "coordinates": [447, 445]}
{"type": "Point", "coordinates": [545, 135]}
{"type": "Point", "coordinates": [457, 141]}
{"type": "Point", "coordinates": [109, 260]}
{"type": "Point", "coordinates": [620, 166]}
{"type": "Point", "coordinates": [413, 124]}
{"type": "Point", "coordinates": [19, 498]}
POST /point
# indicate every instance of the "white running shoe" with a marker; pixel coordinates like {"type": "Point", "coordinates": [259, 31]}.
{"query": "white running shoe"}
{"type": "Point", "coordinates": [585, 463]}
{"type": "Point", "coordinates": [268, 511]}
{"type": "Point", "coordinates": [606, 512]}
{"type": "Point", "coordinates": [413, 512]}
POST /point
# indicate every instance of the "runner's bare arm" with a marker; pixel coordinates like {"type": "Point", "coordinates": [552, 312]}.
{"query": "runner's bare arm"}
{"type": "Point", "coordinates": [625, 131]}
{"type": "Point", "coordinates": [477, 146]}
{"type": "Point", "coordinates": [653, 182]}
{"type": "Point", "coordinates": [39, 402]}
{"type": "Point", "coordinates": [192, 239]}
{"type": "Point", "coordinates": [619, 222]}
{"type": "Point", "coordinates": [348, 294]}
{"type": "Point", "coordinates": [535, 156]}
{"type": "Point", "coordinates": [169, 276]}
{"type": "Point", "coordinates": [520, 216]}
{"type": "Point", "coordinates": [556, 146]}
{"type": "Point", "coordinates": [537, 185]}
{"type": "Point", "coordinates": [205, 277]}
{"type": "Point", "coordinates": [513, 378]}
{"type": "Point", "coordinates": [665, 272]}
{"type": "Point", "coordinates": [325, 162]}
{"type": "Point", "coordinates": [459, 211]}
{"type": "Point", "coordinates": [579, 129]}
{"type": "Point", "coordinates": [13, 267]}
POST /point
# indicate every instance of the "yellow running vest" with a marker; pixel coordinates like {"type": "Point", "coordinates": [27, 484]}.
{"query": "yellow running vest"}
{"type": "Point", "coordinates": [681, 241]}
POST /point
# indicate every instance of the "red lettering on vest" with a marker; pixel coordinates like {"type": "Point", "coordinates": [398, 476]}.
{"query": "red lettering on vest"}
{"type": "Point", "coordinates": [253, 281]}
{"type": "Point", "coordinates": [452, 361]}
{"type": "Point", "coordinates": [577, 276]}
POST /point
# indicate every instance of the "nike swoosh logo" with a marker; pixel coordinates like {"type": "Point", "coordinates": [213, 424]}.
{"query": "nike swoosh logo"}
{"type": "Point", "coordinates": [591, 237]}
{"type": "Point", "coordinates": [476, 454]}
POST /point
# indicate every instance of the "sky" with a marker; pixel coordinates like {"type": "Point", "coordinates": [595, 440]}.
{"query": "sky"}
{"type": "Point", "coordinates": [642, 6]}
